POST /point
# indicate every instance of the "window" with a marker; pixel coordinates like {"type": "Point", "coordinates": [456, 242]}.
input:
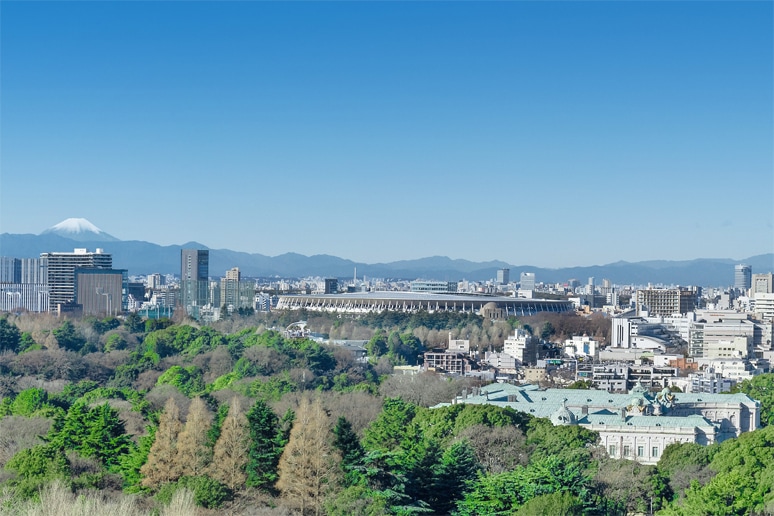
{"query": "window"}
{"type": "Point", "coordinates": [640, 451]}
{"type": "Point", "coordinates": [626, 451]}
{"type": "Point", "coordinates": [654, 452]}
{"type": "Point", "coordinates": [611, 450]}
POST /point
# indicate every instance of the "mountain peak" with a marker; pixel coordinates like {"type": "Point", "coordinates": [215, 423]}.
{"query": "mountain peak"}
{"type": "Point", "coordinates": [80, 229]}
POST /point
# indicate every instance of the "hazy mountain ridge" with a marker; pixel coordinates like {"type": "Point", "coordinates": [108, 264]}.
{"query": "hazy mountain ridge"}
{"type": "Point", "coordinates": [141, 257]}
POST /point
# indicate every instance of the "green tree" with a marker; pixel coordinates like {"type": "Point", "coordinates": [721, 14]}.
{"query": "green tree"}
{"type": "Point", "coordinates": [266, 443]}
{"type": "Point", "coordinates": [389, 429]}
{"type": "Point", "coordinates": [68, 337]}
{"type": "Point", "coordinates": [105, 440]}
{"type": "Point", "coordinates": [761, 388]}
{"type": "Point", "coordinates": [458, 468]}
{"type": "Point", "coordinates": [134, 323]}
{"type": "Point", "coordinates": [9, 336]}
{"type": "Point", "coordinates": [28, 401]}
{"type": "Point", "coordinates": [351, 452]}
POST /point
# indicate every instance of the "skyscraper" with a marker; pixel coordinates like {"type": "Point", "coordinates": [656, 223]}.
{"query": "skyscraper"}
{"type": "Point", "coordinates": [527, 281]}
{"type": "Point", "coordinates": [60, 269]}
{"type": "Point", "coordinates": [503, 276]}
{"type": "Point", "coordinates": [194, 279]}
{"type": "Point", "coordinates": [742, 277]}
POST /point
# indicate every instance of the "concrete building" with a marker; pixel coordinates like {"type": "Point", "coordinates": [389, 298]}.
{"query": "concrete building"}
{"type": "Point", "coordinates": [637, 425]}
{"type": "Point", "coordinates": [443, 362]}
{"type": "Point", "coordinates": [665, 302]}
{"type": "Point", "coordinates": [764, 306]}
{"type": "Point", "coordinates": [582, 346]}
{"type": "Point", "coordinates": [742, 277]}
{"type": "Point", "coordinates": [194, 279]}
{"type": "Point", "coordinates": [503, 276]}
{"type": "Point", "coordinates": [365, 302]}
{"type": "Point", "coordinates": [101, 291]}
{"type": "Point", "coordinates": [527, 281]}
{"type": "Point", "coordinates": [433, 286]}
{"type": "Point", "coordinates": [60, 273]}
{"type": "Point", "coordinates": [331, 286]}
{"type": "Point", "coordinates": [708, 338]}
{"type": "Point", "coordinates": [522, 346]}
{"type": "Point", "coordinates": [762, 284]}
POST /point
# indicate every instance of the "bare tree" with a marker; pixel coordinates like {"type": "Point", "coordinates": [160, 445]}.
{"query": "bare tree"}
{"type": "Point", "coordinates": [162, 465]}
{"type": "Point", "coordinates": [231, 451]}
{"type": "Point", "coordinates": [193, 454]}
{"type": "Point", "coordinates": [309, 463]}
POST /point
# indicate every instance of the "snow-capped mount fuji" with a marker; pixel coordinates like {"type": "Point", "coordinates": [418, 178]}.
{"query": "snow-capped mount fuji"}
{"type": "Point", "coordinates": [80, 230]}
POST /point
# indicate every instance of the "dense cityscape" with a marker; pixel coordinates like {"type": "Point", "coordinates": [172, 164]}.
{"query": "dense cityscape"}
{"type": "Point", "coordinates": [654, 380]}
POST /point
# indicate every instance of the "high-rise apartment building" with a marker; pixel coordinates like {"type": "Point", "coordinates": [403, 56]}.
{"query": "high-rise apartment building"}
{"type": "Point", "coordinates": [60, 273]}
{"type": "Point", "coordinates": [742, 277]}
{"type": "Point", "coordinates": [503, 276]}
{"type": "Point", "coordinates": [194, 279]}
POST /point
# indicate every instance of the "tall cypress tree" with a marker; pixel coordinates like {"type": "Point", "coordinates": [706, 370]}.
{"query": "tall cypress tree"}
{"type": "Point", "coordinates": [267, 441]}
{"type": "Point", "coordinates": [346, 441]}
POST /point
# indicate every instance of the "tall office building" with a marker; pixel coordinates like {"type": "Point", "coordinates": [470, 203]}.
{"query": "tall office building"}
{"type": "Point", "coordinates": [60, 273]}
{"type": "Point", "coordinates": [194, 279]}
{"type": "Point", "coordinates": [503, 276]}
{"type": "Point", "coordinates": [742, 277]}
{"type": "Point", "coordinates": [10, 270]}
{"type": "Point", "coordinates": [527, 281]}
{"type": "Point", "coordinates": [101, 291]}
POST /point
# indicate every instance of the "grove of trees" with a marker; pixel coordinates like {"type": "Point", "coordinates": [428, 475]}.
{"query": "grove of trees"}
{"type": "Point", "coordinates": [156, 416]}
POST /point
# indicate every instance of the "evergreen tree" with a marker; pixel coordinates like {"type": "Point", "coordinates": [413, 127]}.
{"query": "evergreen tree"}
{"type": "Point", "coordinates": [105, 439]}
{"type": "Point", "coordinates": [266, 443]}
{"type": "Point", "coordinates": [231, 451]}
{"type": "Point", "coordinates": [193, 454]}
{"type": "Point", "coordinates": [162, 466]}
{"type": "Point", "coordinates": [9, 335]}
{"type": "Point", "coordinates": [309, 463]}
{"type": "Point", "coordinates": [458, 467]}
{"type": "Point", "coordinates": [346, 441]}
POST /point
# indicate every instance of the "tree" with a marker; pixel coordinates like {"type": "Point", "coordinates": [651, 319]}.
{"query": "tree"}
{"type": "Point", "coordinates": [68, 338]}
{"type": "Point", "coordinates": [9, 335]}
{"type": "Point", "coordinates": [309, 463]}
{"type": "Point", "coordinates": [498, 448]}
{"type": "Point", "coordinates": [193, 454]}
{"type": "Point", "coordinates": [265, 445]}
{"type": "Point", "coordinates": [105, 439]}
{"type": "Point", "coordinates": [230, 455]}
{"type": "Point", "coordinates": [761, 388]}
{"type": "Point", "coordinates": [458, 468]}
{"type": "Point", "coordinates": [162, 465]}
{"type": "Point", "coordinates": [349, 447]}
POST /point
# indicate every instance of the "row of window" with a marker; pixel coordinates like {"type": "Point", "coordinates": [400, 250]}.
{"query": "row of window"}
{"type": "Point", "coordinates": [611, 450]}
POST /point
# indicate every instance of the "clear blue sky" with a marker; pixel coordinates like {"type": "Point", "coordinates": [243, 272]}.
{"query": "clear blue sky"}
{"type": "Point", "coordinates": [542, 133]}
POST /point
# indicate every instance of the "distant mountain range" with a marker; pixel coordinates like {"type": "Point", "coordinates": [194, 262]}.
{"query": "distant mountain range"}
{"type": "Point", "coordinates": [145, 258]}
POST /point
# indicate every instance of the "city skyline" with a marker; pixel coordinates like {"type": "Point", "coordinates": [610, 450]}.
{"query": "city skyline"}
{"type": "Point", "coordinates": [525, 132]}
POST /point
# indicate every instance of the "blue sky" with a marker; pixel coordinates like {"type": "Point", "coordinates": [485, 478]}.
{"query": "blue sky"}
{"type": "Point", "coordinates": [542, 133]}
